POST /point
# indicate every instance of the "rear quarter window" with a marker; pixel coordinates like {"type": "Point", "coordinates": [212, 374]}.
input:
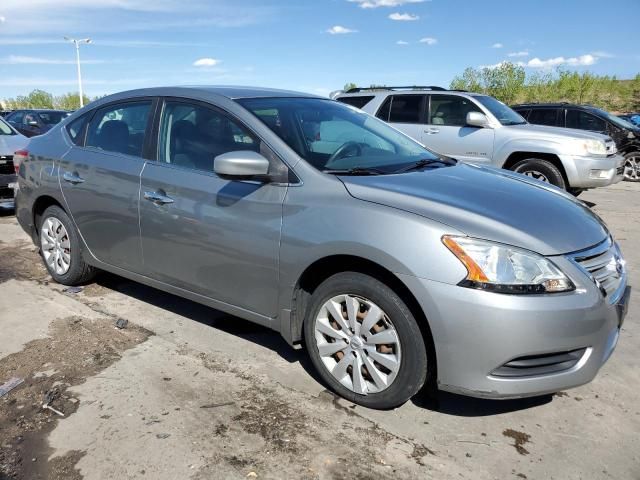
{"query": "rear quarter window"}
{"type": "Point", "coordinates": [77, 128]}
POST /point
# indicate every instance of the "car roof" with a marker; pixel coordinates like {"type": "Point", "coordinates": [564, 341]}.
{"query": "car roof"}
{"type": "Point", "coordinates": [231, 92]}
{"type": "Point", "coordinates": [39, 110]}
{"type": "Point", "coordinates": [373, 91]}
{"type": "Point", "coordinates": [553, 105]}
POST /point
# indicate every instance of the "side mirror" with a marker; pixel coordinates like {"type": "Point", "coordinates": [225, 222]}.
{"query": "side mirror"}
{"type": "Point", "coordinates": [243, 163]}
{"type": "Point", "coordinates": [477, 119]}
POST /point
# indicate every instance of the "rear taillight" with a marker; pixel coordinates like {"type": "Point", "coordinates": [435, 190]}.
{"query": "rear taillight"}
{"type": "Point", "coordinates": [19, 157]}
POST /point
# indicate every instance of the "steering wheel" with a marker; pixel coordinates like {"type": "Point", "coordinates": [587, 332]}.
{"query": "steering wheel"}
{"type": "Point", "coordinates": [344, 149]}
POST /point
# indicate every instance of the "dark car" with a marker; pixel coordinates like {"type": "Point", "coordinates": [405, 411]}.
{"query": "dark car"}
{"type": "Point", "coordinates": [4, 113]}
{"type": "Point", "coordinates": [585, 117]}
{"type": "Point", "coordinates": [35, 122]}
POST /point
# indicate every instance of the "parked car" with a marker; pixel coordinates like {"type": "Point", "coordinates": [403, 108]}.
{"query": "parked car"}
{"type": "Point", "coordinates": [35, 122]}
{"type": "Point", "coordinates": [10, 141]}
{"type": "Point", "coordinates": [632, 118]}
{"type": "Point", "coordinates": [584, 117]}
{"type": "Point", "coordinates": [394, 266]}
{"type": "Point", "coordinates": [480, 129]}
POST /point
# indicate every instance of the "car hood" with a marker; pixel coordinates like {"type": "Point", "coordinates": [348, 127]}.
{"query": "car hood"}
{"type": "Point", "coordinates": [543, 131]}
{"type": "Point", "coordinates": [488, 203]}
{"type": "Point", "coordinates": [10, 143]}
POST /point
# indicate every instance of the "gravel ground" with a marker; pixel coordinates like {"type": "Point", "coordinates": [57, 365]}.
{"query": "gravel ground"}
{"type": "Point", "coordinates": [188, 392]}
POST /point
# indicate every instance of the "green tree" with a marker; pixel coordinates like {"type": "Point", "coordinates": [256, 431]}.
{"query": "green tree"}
{"type": "Point", "coordinates": [69, 101]}
{"type": "Point", "coordinates": [349, 86]}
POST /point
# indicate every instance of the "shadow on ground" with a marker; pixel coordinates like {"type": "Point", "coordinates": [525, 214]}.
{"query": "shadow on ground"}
{"type": "Point", "coordinates": [441, 402]}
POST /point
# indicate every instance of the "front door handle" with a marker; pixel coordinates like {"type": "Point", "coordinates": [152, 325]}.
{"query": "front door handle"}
{"type": "Point", "coordinates": [432, 131]}
{"type": "Point", "coordinates": [158, 198]}
{"type": "Point", "coordinates": [73, 178]}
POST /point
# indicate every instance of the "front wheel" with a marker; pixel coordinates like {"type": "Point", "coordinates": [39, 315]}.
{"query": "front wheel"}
{"type": "Point", "coordinates": [364, 341]}
{"type": "Point", "coordinates": [632, 167]}
{"type": "Point", "coordinates": [542, 170]}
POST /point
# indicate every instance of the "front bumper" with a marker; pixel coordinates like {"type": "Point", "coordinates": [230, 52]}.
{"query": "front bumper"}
{"type": "Point", "coordinates": [477, 332]}
{"type": "Point", "coordinates": [590, 172]}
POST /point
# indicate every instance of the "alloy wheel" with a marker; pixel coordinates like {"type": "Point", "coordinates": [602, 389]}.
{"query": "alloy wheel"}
{"type": "Point", "coordinates": [632, 169]}
{"type": "Point", "coordinates": [56, 246]}
{"type": "Point", "coordinates": [536, 174]}
{"type": "Point", "coordinates": [358, 343]}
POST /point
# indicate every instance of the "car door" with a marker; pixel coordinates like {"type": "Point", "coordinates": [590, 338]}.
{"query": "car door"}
{"type": "Point", "coordinates": [406, 112]}
{"type": "Point", "coordinates": [203, 233]}
{"type": "Point", "coordinates": [100, 180]}
{"type": "Point", "coordinates": [447, 131]}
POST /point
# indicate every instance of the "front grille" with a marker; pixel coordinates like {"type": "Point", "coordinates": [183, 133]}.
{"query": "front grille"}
{"type": "Point", "coordinates": [604, 264]}
{"type": "Point", "coordinates": [6, 164]}
{"type": "Point", "coordinates": [545, 364]}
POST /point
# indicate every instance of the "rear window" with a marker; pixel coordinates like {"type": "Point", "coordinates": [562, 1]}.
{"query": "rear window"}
{"type": "Point", "coordinates": [357, 102]}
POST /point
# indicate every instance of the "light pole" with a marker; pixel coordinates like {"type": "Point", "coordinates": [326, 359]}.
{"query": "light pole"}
{"type": "Point", "coordinates": [77, 44]}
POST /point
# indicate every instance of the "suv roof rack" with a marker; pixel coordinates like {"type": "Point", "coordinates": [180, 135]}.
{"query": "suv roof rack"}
{"type": "Point", "coordinates": [409, 87]}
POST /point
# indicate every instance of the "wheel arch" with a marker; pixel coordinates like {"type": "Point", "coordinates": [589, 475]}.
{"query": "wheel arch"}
{"type": "Point", "coordinates": [39, 206]}
{"type": "Point", "coordinates": [516, 157]}
{"type": "Point", "coordinates": [325, 267]}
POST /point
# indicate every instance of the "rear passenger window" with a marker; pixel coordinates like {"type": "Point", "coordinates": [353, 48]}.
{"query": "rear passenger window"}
{"type": "Point", "coordinates": [544, 116]}
{"type": "Point", "coordinates": [77, 128]}
{"type": "Point", "coordinates": [120, 128]}
{"type": "Point", "coordinates": [406, 108]}
{"type": "Point", "coordinates": [585, 121]}
{"type": "Point", "coordinates": [357, 102]}
{"type": "Point", "coordinates": [191, 136]}
{"type": "Point", "coordinates": [451, 110]}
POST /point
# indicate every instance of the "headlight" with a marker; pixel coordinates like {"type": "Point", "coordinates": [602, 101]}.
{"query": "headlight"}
{"type": "Point", "coordinates": [500, 268]}
{"type": "Point", "coordinates": [587, 147]}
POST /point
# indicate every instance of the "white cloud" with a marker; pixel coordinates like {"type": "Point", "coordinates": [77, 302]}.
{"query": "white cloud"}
{"type": "Point", "coordinates": [522, 53]}
{"type": "Point", "coordinates": [22, 60]}
{"type": "Point", "coordinates": [497, 45]}
{"type": "Point", "coordinates": [495, 65]}
{"type": "Point", "coordinates": [601, 54]}
{"type": "Point", "coordinates": [581, 61]}
{"type": "Point", "coordinates": [384, 3]}
{"type": "Point", "coordinates": [429, 40]}
{"type": "Point", "coordinates": [206, 62]}
{"type": "Point", "coordinates": [404, 17]}
{"type": "Point", "coordinates": [340, 30]}
{"type": "Point", "coordinates": [402, 42]}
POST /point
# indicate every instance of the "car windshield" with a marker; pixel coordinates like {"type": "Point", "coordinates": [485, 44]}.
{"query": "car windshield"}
{"type": "Point", "coordinates": [52, 118]}
{"type": "Point", "coordinates": [504, 114]}
{"type": "Point", "coordinates": [620, 122]}
{"type": "Point", "coordinates": [336, 137]}
{"type": "Point", "coordinates": [5, 129]}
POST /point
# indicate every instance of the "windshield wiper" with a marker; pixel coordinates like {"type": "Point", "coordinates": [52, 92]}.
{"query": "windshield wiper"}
{"type": "Point", "coordinates": [424, 163]}
{"type": "Point", "coordinates": [356, 171]}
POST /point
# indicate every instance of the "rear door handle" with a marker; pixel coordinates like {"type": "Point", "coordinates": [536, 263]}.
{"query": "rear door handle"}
{"type": "Point", "coordinates": [158, 198]}
{"type": "Point", "coordinates": [73, 178]}
{"type": "Point", "coordinates": [432, 131]}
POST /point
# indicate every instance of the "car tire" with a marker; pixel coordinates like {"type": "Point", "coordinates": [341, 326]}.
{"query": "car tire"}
{"type": "Point", "coordinates": [60, 248]}
{"type": "Point", "coordinates": [576, 192]}
{"type": "Point", "coordinates": [632, 167]}
{"type": "Point", "coordinates": [542, 170]}
{"type": "Point", "coordinates": [403, 370]}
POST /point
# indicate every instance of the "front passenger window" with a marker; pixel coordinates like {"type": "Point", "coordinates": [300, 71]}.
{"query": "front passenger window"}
{"type": "Point", "coordinates": [450, 110]}
{"type": "Point", "coordinates": [120, 128]}
{"type": "Point", "coordinates": [191, 136]}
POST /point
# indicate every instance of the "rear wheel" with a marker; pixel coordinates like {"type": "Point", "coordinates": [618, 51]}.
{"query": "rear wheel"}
{"type": "Point", "coordinates": [364, 341]}
{"type": "Point", "coordinates": [542, 170]}
{"type": "Point", "coordinates": [60, 248]}
{"type": "Point", "coordinates": [632, 167]}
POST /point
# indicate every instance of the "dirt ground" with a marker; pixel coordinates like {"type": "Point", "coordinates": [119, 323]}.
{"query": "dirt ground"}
{"type": "Point", "coordinates": [185, 391]}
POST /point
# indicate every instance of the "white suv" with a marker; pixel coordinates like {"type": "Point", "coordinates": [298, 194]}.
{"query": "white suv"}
{"type": "Point", "coordinates": [479, 129]}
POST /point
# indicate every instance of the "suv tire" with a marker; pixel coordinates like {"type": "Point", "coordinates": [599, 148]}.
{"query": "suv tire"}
{"type": "Point", "coordinates": [60, 248]}
{"type": "Point", "coordinates": [403, 370]}
{"type": "Point", "coordinates": [541, 170]}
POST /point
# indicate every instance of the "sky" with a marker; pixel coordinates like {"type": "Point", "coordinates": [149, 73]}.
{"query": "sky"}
{"type": "Point", "coordinates": [314, 46]}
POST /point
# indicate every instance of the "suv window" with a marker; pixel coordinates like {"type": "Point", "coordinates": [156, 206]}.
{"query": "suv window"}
{"type": "Point", "coordinates": [357, 102]}
{"type": "Point", "coordinates": [406, 108]}
{"type": "Point", "coordinates": [192, 135]}
{"type": "Point", "coordinates": [450, 110]}
{"type": "Point", "coordinates": [29, 118]}
{"type": "Point", "coordinates": [15, 117]}
{"type": "Point", "coordinates": [120, 128]}
{"type": "Point", "coordinates": [544, 116]}
{"type": "Point", "coordinates": [76, 128]}
{"type": "Point", "coordinates": [585, 121]}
